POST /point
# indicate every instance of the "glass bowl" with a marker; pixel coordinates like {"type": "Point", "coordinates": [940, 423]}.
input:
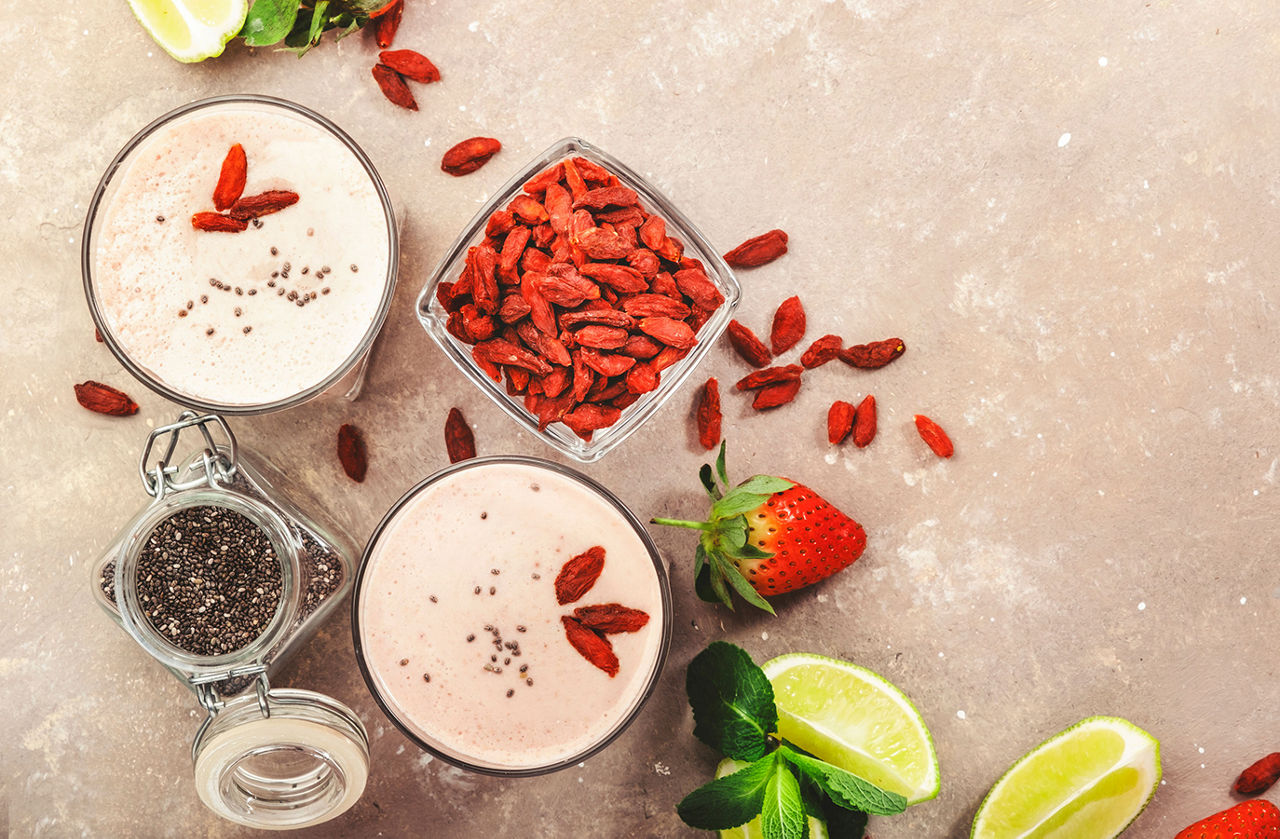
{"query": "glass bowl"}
{"type": "Point", "coordinates": [345, 377]}
{"type": "Point", "coordinates": [418, 603]}
{"type": "Point", "coordinates": [434, 317]}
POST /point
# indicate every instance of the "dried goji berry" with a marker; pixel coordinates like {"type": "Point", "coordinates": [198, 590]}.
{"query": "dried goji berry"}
{"type": "Point", "coordinates": [469, 155]}
{"type": "Point", "coordinates": [393, 87]}
{"type": "Point", "coordinates": [218, 223]}
{"type": "Point", "coordinates": [821, 351]}
{"type": "Point", "coordinates": [618, 277]}
{"type": "Point", "coordinates": [579, 574]}
{"type": "Point", "coordinates": [655, 305]}
{"type": "Point", "coordinates": [770, 376]}
{"type": "Point", "coordinates": [352, 453]}
{"type": "Point", "coordinates": [864, 424]}
{"type": "Point", "coordinates": [934, 436]}
{"type": "Point", "coordinates": [544, 179]}
{"type": "Point", "coordinates": [758, 250]}
{"type": "Point", "coordinates": [839, 421]}
{"type": "Point", "coordinates": [412, 65]}
{"type": "Point", "coordinates": [592, 417]}
{"type": "Point", "coordinates": [601, 337]}
{"type": "Point", "coordinates": [459, 441]}
{"type": "Point", "coordinates": [1259, 777]}
{"type": "Point", "coordinates": [748, 346]}
{"type": "Point", "coordinates": [527, 209]}
{"type": "Point", "coordinates": [607, 364]}
{"type": "Point", "coordinates": [788, 325]}
{"type": "Point", "coordinates": [592, 646]}
{"type": "Point", "coordinates": [611, 618]}
{"type": "Point", "coordinates": [104, 399]}
{"type": "Point", "coordinates": [608, 196]}
{"type": "Point", "coordinates": [672, 332]}
{"type": "Point", "coordinates": [642, 378]}
{"type": "Point", "coordinates": [708, 414]}
{"type": "Point", "coordinates": [695, 285]}
{"type": "Point", "coordinates": [231, 178]}
{"type": "Point", "coordinates": [573, 179]}
{"type": "Point", "coordinates": [776, 394]}
{"type": "Point", "coordinates": [388, 23]}
{"type": "Point", "coordinates": [263, 204]}
{"type": "Point", "coordinates": [873, 355]}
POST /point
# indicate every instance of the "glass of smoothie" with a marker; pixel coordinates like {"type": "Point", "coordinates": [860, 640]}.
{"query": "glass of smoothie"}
{"type": "Point", "coordinates": [279, 308]}
{"type": "Point", "coordinates": [511, 616]}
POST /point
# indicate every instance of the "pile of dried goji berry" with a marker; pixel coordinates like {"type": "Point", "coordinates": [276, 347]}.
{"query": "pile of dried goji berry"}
{"type": "Point", "coordinates": [578, 297]}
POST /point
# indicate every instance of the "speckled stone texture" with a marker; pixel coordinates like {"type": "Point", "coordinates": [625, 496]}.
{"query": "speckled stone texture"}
{"type": "Point", "coordinates": [1067, 210]}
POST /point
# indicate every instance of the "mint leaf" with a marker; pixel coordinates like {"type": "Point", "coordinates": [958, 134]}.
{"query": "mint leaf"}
{"type": "Point", "coordinates": [269, 21]}
{"type": "Point", "coordinates": [844, 788]}
{"type": "Point", "coordinates": [732, 701]}
{"type": "Point", "coordinates": [842, 823]}
{"type": "Point", "coordinates": [741, 584]}
{"type": "Point", "coordinates": [782, 812]}
{"type": "Point", "coordinates": [729, 801]}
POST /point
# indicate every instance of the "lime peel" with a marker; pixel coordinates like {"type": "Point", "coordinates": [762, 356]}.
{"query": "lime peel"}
{"type": "Point", "coordinates": [1081, 781]}
{"type": "Point", "coordinates": [191, 30]}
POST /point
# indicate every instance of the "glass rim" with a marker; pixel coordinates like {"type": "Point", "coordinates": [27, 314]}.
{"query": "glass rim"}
{"type": "Point", "coordinates": [430, 314]}
{"type": "Point", "coordinates": [641, 699]}
{"type": "Point", "coordinates": [151, 639]}
{"type": "Point", "coordinates": [153, 382]}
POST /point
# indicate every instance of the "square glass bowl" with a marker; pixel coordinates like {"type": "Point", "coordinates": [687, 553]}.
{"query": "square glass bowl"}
{"type": "Point", "coordinates": [433, 316]}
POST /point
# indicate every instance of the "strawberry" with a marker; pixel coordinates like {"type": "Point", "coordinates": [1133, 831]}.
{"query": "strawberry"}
{"type": "Point", "coordinates": [1257, 819]}
{"type": "Point", "coordinates": [767, 536]}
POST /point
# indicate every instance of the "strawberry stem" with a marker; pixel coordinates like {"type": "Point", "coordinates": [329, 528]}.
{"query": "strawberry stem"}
{"type": "Point", "coordinates": [692, 525]}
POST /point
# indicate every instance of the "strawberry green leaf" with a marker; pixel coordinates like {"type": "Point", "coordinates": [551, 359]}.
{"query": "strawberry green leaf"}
{"type": "Point", "coordinates": [765, 484]}
{"type": "Point", "coordinates": [708, 481]}
{"type": "Point", "coordinates": [720, 467]}
{"type": "Point", "coordinates": [736, 502]}
{"type": "Point", "coordinates": [782, 811]}
{"type": "Point", "coordinates": [729, 801]}
{"type": "Point", "coordinates": [844, 788]}
{"type": "Point", "coordinates": [740, 584]}
{"type": "Point", "coordinates": [732, 701]}
{"type": "Point", "coordinates": [733, 533]}
{"type": "Point", "coordinates": [748, 551]}
{"type": "Point", "coordinates": [719, 589]}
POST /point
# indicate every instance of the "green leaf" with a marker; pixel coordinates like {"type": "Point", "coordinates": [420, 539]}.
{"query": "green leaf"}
{"type": "Point", "coordinates": [733, 533]}
{"type": "Point", "coordinates": [269, 21]}
{"type": "Point", "coordinates": [842, 823]}
{"type": "Point", "coordinates": [736, 502]}
{"type": "Point", "coordinates": [782, 811]}
{"type": "Point", "coordinates": [765, 484]}
{"type": "Point", "coordinates": [732, 701]}
{"type": "Point", "coordinates": [702, 577]}
{"type": "Point", "coordinates": [844, 788]}
{"type": "Point", "coordinates": [720, 468]}
{"type": "Point", "coordinates": [704, 474]}
{"type": "Point", "coordinates": [729, 801]}
{"type": "Point", "coordinates": [740, 584]}
{"type": "Point", "coordinates": [748, 551]}
{"type": "Point", "coordinates": [720, 589]}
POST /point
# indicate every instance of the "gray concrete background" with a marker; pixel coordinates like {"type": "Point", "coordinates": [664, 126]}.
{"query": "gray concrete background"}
{"type": "Point", "coordinates": [1068, 212]}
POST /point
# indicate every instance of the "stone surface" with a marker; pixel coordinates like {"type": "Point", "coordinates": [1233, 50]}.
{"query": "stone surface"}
{"type": "Point", "coordinates": [1068, 210]}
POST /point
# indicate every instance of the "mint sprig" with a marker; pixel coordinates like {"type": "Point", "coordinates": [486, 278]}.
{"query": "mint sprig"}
{"type": "Point", "coordinates": [734, 712]}
{"type": "Point", "coordinates": [300, 24]}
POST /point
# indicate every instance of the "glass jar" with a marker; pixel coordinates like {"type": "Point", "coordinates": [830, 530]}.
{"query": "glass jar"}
{"type": "Point", "coordinates": [138, 307]}
{"type": "Point", "coordinates": [264, 757]}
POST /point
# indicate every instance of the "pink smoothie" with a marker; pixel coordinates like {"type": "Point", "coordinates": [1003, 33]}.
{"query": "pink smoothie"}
{"type": "Point", "coordinates": [241, 318]}
{"type": "Point", "coordinates": [491, 678]}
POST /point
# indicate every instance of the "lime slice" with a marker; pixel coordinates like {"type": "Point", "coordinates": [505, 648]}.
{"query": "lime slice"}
{"type": "Point", "coordinates": [1091, 780]}
{"type": "Point", "coordinates": [191, 30]}
{"type": "Point", "coordinates": [848, 716]}
{"type": "Point", "coordinates": [752, 829]}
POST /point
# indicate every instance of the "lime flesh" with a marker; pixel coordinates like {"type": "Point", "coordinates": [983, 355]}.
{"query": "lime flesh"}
{"type": "Point", "coordinates": [191, 30]}
{"type": "Point", "coordinates": [851, 717]}
{"type": "Point", "coordinates": [1093, 779]}
{"type": "Point", "coordinates": [753, 829]}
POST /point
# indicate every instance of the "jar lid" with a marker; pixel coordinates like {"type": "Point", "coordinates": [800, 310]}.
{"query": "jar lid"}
{"type": "Point", "coordinates": [281, 759]}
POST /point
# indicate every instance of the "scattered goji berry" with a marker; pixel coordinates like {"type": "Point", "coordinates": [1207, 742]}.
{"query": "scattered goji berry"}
{"type": "Point", "coordinates": [839, 422]}
{"type": "Point", "coordinates": [592, 646]}
{"type": "Point", "coordinates": [470, 155]}
{"type": "Point", "coordinates": [934, 436]}
{"type": "Point", "coordinates": [231, 178]}
{"type": "Point", "coordinates": [1259, 777]}
{"type": "Point", "coordinates": [411, 64]}
{"type": "Point", "coordinates": [821, 351]}
{"type": "Point", "coordinates": [758, 250]}
{"type": "Point", "coordinates": [776, 394]}
{"type": "Point", "coordinates": [708, 414]}
{"type": "Point", "coordinates": [611, 618]}
{"type": "Point", "coordinates": [393, 87]}
{"type": "Point", "coordinates": [579, 574]}
{"type": "Point", "coordinates": [788, 325]}
{"type": "Point", "coordinates": [748, 346]}
{"type": "Point", "coordinates": [388, 23]}
{"type": "Point", "coordinates": [864, 423]}
{"type": "Point", "coordinates": [352, 453]}
{"type": "Point", "coordinates": [459, 440]}
{"type": "Point", "coordinates": [104, 399]}
{"type": "Point", "coordinates": [873, 355]}
{"type": "Point", "coordinates": [218, 223]}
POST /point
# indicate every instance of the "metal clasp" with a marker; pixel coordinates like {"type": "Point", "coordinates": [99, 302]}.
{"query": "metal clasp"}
{"type": "Point", "coordinates": [209, 698]}
{"type": "Point", "coordinates": [219, 466]}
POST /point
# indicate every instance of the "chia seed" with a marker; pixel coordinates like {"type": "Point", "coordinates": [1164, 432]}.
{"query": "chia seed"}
{"type": "Point", "coordinates": [275, 251]}
{"type": "Point", "coordinates": [209, 580]}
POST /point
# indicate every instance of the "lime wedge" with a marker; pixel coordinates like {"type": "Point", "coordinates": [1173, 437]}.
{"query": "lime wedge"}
{"type": "Point", "coordinates": [1091, 780]}
{"type": "Point", "coordinates": [191, 30]}
{"type": "Point", "coordinates": [752, 829]}
{"type": "Point", "coordinates": [848, 716]}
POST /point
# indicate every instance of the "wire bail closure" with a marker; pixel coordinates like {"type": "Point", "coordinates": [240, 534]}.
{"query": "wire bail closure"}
{"type": "Point", "coordinates": [219, 466]}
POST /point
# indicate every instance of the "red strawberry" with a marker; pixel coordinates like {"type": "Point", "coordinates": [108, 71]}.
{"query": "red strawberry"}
{"type": "Point", "coordinates": [767, 536]}
{"type": "Point", "coordinates": [1257, 819]}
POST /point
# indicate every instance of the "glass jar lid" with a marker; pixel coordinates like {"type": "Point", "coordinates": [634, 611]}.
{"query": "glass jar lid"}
{"type": "Point", "coordinates": [280, 759]}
